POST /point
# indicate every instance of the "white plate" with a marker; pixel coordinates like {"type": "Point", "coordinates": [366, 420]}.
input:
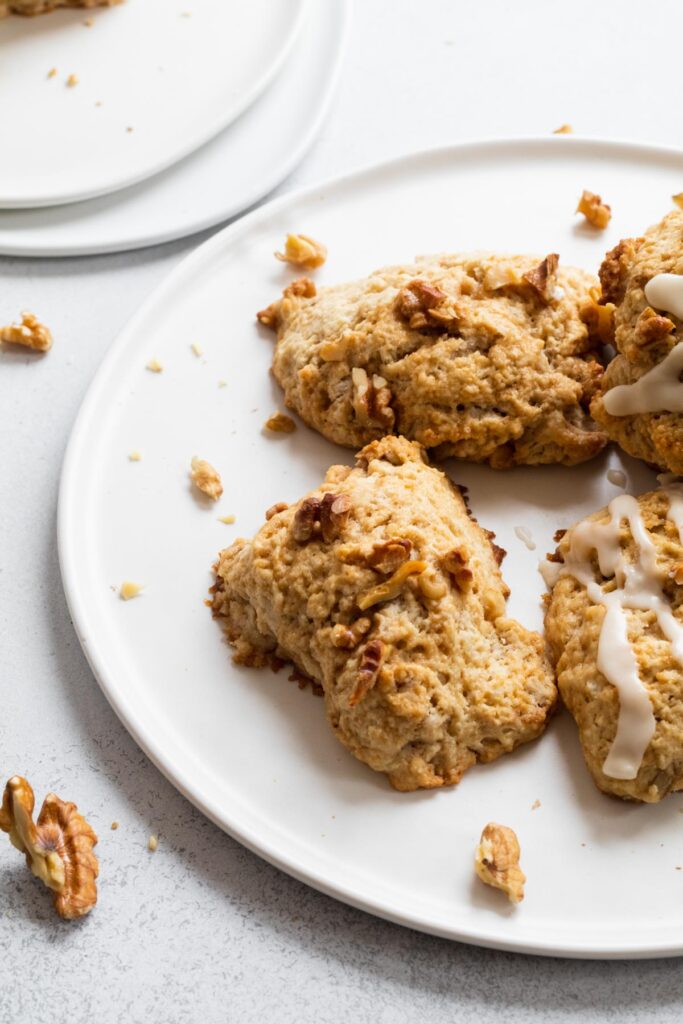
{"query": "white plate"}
{"type": "Point", "coordinates": [220, 179]}
{"type": "Point", "coordinates": [174, 73]}
{"type": "Point", "coordinates": [246, 746]}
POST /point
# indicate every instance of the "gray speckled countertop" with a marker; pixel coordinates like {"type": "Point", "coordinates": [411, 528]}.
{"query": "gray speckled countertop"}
{"type": "Point", "coordinates": [203, 930]}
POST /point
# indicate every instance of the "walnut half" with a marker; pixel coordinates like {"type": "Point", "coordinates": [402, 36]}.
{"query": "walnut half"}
{"type": "Point", "coordinates": [321, 517]}
{"type": "Point", "coordinates": [596, 212]}
{"type": "Point", "coordinates": [368, 670]}
{"type": "Point", "coordinates": [303, 251]}
{"type": "Point", "coordinates": [496, 861]}
{"type": "Point", "coordinates": [206, 478]}
{"type": "Point", "coordinates": [371, 398]}
{"type": "Point", "coordinates": [543, 277]}
{"type": "Point", "coordinates": [58, 846]}
{"type": "Point", "coordinates": [30, 333]}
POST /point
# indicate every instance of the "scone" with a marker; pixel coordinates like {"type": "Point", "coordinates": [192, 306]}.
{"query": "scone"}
{"type": "Point", "coordinates": [483, 357]}
{"type": "Point", "coordinates": [640, 400]}
{"type": "Point", "coordinates": [614, 624]}
{"type": "Point", "coordinates": [31, 7]}
{"type": "Point", "coordinates": [381, 588]}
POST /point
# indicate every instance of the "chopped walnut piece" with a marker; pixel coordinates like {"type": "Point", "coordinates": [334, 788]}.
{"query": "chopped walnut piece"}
{"type": "Point", "coordinates": [371, 398]}
{"type": "Point", "coordinates": [388, 555]}
{"type": "Point", "coordinates": [279, 423]}
{"type": "Point", "coordinates": [152, 844]}
{"type": "Point", "coordinates": [269, 316]}
{"type": "Point", "coordinates": [58, 846]}
{"type": "Point", "coordinates": [652, 327]}
{"type": "Point", "coordinates": [206, 478]}
{"type": "Point", "coordinates": [227, 520]}
{"type": "Point", "coordinates": [321, 517]}
{"type": "Point", "coordinates": [542, 278]}
{"type": "Point", "coordinates": [497, 861]}
{"type": "Point", "coordinates": [30, 333]}
{"type": "Point", "coordinates": [564, 129]}
{"type": "Point", "coordinates": [599, 319]}
{"type": "Point", "coordinates": [455, 564]}
{"type": "Point", "coordinates": [613, 270]}
{"type": "Point", "coordinates": [135, 456]}
{"type": "Point", "coordinates": [677, 573]}
{"type": "Point", "coordinates": [71, 81]}
{"type": "Point", "coordinates": [392, 587]}
{"type": "Point", "coordinates": [52, 73]}
{"type": "Point", "coordinates": [349, 637]}
{"type": "Point", "coordinates": [368, 670]}
{"type": "Point", "coordinates": [279, 506]}
{"type": "Point", "coordinates": [302, 288]}
{"type": "Point", "coordinates": [594, 210]}
{"type": "Point", "coordinates": [154, 366]}
{"type": "Point", "coordinates": [129, 590]}
{"type": "Point", "coordinates": [334, 513]}
{"type": "Point", "coordinates": [417, 302]}
{"type": "Point", "coordinates": [303, 251]}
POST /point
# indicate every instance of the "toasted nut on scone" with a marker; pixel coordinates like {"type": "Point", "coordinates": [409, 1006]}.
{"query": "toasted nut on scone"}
{"type": "Point", "coordinates": [58, 846]}
{"type": "Point", "coordinates": [279, 423]}
{"type": "Point", "coordinates": [388, 555]}
{"type": "Point", "coordinates": [599, 319]}
{"type": "Point", "coordinates": [303, 251]}
{"type": "Point", "coordinates": [594, 210]}
{"type": "Point", "coordinates": [279, 506]}
{"type": "Point", "coordinates": [652, 327]}
{"type": "Point", "coordinates": [371, 398]}
{"type": "Point", "coordinates": [348, 637]}
{"type": "Point", "coordinates": [497, 861]}
{"type": "Point", "coordinates": [30, 333]}
{"type": "Point", "coordinates": [206, 478]}
{"type": "Point", "coordinates": [455, 564]}
{"type": "Point", "coordinates": [368, 670]}
{"type": "Point", "coordinates": [542, 278]}
{"type": "Point", "coordinates": [392, 587]}
{"type": "Point", "coordinates": [334, 512]}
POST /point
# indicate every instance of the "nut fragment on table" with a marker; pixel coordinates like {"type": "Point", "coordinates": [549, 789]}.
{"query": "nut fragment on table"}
{"type": "Point", "coordinates": [206, 478]}
{"type": "Point", "coordinates": [279, 423]}
{"type": "Point", "coordinates": [564, 129]}
{"type": "Point", "coordinates": [30, 333]}
{"type": "Point", "coordinates": [594, 210]}
{"type": "Point", "coordinates": [154, 366]}
{"type": "Point", "coordinates": [496, 861]}
{"type": "Point", "coordinates": [129, 590]}
{"type": "Point", "coordinates": [303, 251]}
{"type": "Point", "coordinates": [58, 846]}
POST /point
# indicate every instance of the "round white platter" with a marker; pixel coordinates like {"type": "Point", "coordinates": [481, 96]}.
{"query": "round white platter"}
{"type": "Point", "coordinates": [246, 746]}
{"type": "Point", "coordinates": [223, 177]}
{"type": "Point", "coordinates": [155, 79]}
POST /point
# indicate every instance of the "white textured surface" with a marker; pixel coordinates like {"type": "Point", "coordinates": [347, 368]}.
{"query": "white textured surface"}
{"type": "Point", "coordinates": [202, 930]}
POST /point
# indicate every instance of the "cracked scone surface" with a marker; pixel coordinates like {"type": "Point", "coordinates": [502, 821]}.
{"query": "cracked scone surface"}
{"type": "Point", "coordinates": [461, 353]}
{"type": "Point", "coordinates": [31, 7]}
{"type": "Point", "coordinates": [424, 683]}
{"type": "Point", "coordinates": [573, 623]}
{"type": "Point", "coordinates": [642, 341]}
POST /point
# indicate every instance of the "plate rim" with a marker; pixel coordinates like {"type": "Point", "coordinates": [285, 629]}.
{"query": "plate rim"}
{"type": "Point", "coordinates": [343, 14]}
{"type": "Point", "coordinates": [197, 140]}
{"type": "Point", "coordinates": [68, 500]}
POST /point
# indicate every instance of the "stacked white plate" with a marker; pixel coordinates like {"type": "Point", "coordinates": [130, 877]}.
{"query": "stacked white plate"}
{"type": "Point", "coordinates": [144, 122]}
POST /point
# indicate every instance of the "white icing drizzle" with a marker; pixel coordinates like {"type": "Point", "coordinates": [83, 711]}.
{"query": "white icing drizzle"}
{"type": "Point", "coordinates": [660, 389]}
{"type": "Point", "coordinates": [665, 291]}
{"type": "Point", "coordinates": [637, 586]}
{"type": "Point", "coordinates": [525, 536]}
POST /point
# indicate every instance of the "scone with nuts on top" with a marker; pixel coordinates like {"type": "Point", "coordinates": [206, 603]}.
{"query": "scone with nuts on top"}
{"type": "Point", "coordinates": [614, 623]}
{"type": "Point", "coordinates": [380, 587]}
{"type": "Point", "coordinates": [640, 399]}
{"type": "Point", "coordinates": [484, 357]}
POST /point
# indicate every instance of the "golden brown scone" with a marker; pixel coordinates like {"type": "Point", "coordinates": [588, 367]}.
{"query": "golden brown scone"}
{"type": "Point", "coordinates": [573, 625]}
{"type": "Point", "coordinates": [381, 588]}
{"type": "Point", "coordinates": [478, 356]}
{"type": "Point", "coordinates": [643, 337]}
{"type": "Point", "coordinates": [31, 7]}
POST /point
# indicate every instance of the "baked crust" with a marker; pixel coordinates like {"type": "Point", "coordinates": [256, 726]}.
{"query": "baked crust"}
{"type": "Point", "coordinates": [422, 673]}
{"type": "Point", "coordinates": [32, 7]}
{"type": "Point", "coordinates": [642, 340]}
{"type": "Point", "coordinates": [573, 623]}
{"type": "Point", "coordinates": [482, 357]}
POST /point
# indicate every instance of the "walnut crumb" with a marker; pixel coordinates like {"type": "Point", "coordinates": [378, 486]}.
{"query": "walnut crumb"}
{"type": "Point", "coordinates": [324, 518]}
{"type": "Point", "coordinates": [71, 81]}
{"type": "Point", "coordinates": [652, 327]}
{"type": "Point", "coordinates": [206, 478]}
{"type": "Point", "coordinates": [677, 573]}
{"type": "Point", "coordinates": [386, 556]}
{"type": "Point", "coordinates": [153, 843]}
{"type": "Point", "coordinates": [52, 73]}
{"type": "Point", "coordinates": [228, 520]}
{"type": "Point", "coordinates": [279, 423]}
{"type": "Point", "coordinates": [594, 210]}
{"type": "Point", "coordinates": [58, 846]}
{"type": "Point", "coordinates": [455, 564]}
{"type": "Point", "coordinates": [535, 805]}
{"type": "Point", "coordinates": [30, 333]}
{"type": "Point", "coordinates": [303, 251]}
{"type": "Point", "coordinates": [542, 278]}
{"type": "Point", "coordinates": [135, 456]}
{"type": "Point", "coordinates": [496, 861]}
{"type": "Point", "coordinates": [564, 129]}
{"type": "Point", "coordinates": [197, 349]}
{"type": "Point", "coordinates": [154, 366]}
{"type": "Point", "coordinates": [114, 825]}
{"type": "Point", "coordinates": [348, 637]}
{"type": "Point", "coordinates": [129, 590]}
{"type": "Point", "coordinates": [278, 507]}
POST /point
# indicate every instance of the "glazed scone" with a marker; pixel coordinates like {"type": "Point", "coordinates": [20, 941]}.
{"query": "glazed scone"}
{"type": "Point", "coordinates": [644, 337]}
{"type": "Point", "coordinates": [478, 356]}
{"type": "Point", "coordinates": [31, 7]}
{"type": "Point", "coordinates": [631, 724]}
{"type": "Point", "coordinates": [381, 588]}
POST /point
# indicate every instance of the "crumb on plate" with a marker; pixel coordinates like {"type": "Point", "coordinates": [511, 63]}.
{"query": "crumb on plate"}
{"type": "Point", "coordinates": [496, 861]}
{"type": "Point", "coordinates": [30, 333]}
{"type": "Point", "coordinates": [129, 590]}
{"type": "Point", "coordinates": [594, 210]}
{"type": "Point", "coordinates": [279, 423]}
{"type": "Point", "coordinates": [206, 478]}
{"type": "Point", "coordinates": [303, 251]}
